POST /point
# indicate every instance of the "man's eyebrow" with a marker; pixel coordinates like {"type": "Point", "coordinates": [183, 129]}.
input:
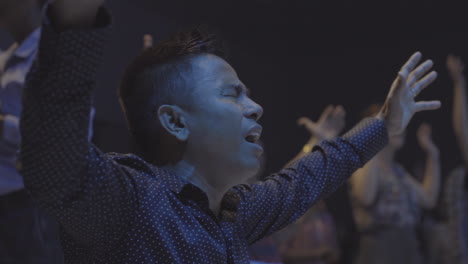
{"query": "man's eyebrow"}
{"type": "Point", "coordinates": [241, 87]}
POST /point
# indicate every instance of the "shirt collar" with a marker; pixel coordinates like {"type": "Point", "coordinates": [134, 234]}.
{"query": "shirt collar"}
{"type": "Point", "coordinates": [230, 205]}
{"type": "Point", "coordinates": [28, 47]}
{"type": "Point", "coordinates": [174, 182]}
{"type": "Point", "coordinates": [187, 190]}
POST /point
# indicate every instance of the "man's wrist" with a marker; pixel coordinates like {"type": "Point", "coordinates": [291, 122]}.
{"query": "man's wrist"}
{"type": "Point", "coordinates": [75, 20]}
{"type": "Point", "coordinates": [382, 116]}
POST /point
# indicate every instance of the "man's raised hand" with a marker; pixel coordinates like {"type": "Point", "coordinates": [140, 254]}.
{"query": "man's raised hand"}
{"type": "Point", "coordinates": [400, 105]}
{"type": "Point", "coordinates": [74, 13]}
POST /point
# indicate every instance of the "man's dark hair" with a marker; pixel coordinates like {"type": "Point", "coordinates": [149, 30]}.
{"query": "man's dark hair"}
{"type": "Point", "coordinates": [161, 75]}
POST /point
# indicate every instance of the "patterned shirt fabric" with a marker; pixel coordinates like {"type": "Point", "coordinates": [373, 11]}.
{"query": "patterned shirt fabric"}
{"type": "Point", "coordinates": [15, 64]}
{"type": "Point", "coordinates": [116, 208]}
{"type": "Point", "coordinates": [395, 205]}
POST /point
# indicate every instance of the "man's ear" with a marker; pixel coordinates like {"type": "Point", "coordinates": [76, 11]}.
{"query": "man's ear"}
{"type": "Point", "coordinates": [172, 119]}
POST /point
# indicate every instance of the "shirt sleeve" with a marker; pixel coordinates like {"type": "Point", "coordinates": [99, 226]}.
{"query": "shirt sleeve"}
{"type": "Point", "coordinates": [87, 191]}
{"type": "Point", "coordinates": [282, 198]}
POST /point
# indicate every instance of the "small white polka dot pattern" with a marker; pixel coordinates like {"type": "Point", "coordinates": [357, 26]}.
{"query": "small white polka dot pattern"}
{"type": "Point", "coordinates": [116, 208]}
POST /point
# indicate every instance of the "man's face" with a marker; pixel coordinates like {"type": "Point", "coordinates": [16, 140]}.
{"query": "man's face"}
{"type": "Point", "coordinates": [222, 122]}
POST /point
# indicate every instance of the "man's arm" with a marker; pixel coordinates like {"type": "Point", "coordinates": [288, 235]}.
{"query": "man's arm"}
{"type": "Point", "coordinates": [85, 190]}
{"type": "Point", "coordinates": [282, 198]}
{"type": "Point", "coordinates": [460, 107]}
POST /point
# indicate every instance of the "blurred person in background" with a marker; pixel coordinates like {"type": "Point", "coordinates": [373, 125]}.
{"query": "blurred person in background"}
{"type": "Point", "coordinates": [313, 238]}
{"type": "Point", "coordinates": [450, 242]}
{"type": "Point", "coordinates": [387, 202]}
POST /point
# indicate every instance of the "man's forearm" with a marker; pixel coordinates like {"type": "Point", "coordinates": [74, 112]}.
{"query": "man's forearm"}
{"type": "Point", "coordinates": [293, 190]}
{"type": "Point", "coordinates": [56, 105]}
{"type": "Point", "coordinates": [63, 171]}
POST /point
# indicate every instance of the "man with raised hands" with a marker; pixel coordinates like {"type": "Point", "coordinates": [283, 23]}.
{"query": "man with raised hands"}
{"type": "Point", "coordinates": [184, 200]}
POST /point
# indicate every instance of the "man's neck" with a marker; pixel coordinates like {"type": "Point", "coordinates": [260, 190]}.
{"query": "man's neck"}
{"type": "Point", "coordinates": [191, 174]}
{"type": "Point", "coordinates": [21, 23]}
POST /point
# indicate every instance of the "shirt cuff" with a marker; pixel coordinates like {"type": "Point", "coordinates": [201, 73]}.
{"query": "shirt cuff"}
{"type": "Point", "coordinates": [368, 137]}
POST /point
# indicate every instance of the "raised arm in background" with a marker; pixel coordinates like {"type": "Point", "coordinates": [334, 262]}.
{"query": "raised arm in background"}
{"type": "Point", "coordinates": [428, 191]}
{"type": "Point", "coordinates": [455, 67]}
{"type": "Point", "coordinates": [329, 126]}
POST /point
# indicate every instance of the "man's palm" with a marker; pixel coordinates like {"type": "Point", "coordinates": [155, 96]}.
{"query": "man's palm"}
{"type": "Point", "coordinates": [400, 105]}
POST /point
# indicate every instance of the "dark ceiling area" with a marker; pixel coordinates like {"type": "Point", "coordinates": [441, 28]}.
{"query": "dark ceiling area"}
{"type": "Point", "coordinates": [297, 57]}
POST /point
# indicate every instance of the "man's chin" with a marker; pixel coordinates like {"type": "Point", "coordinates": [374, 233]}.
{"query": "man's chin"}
{"type": "Point", "coordinates": [252, 169]}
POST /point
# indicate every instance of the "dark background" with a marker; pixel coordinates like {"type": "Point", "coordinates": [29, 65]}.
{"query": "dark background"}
{"type": "Point", "coordinates": [297, 57]}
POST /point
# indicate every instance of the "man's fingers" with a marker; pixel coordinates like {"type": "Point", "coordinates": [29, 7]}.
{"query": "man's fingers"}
{"type": "Point", "coordinates": [409, 65]}
{"type": "Point", "coordinates": [427, 105]}
{"type": "Point", "coordinates": [423, 83]}
{"type": "Point", "coordinates": [404, 73]}
{"type": "Point", "coordinates": [308, 124]}
{"type": "Point", "coordinates": [419, 72]}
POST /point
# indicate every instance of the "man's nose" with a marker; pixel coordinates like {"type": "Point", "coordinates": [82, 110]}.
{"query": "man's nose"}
{"type": "Point", "coordinates": [253, 110]}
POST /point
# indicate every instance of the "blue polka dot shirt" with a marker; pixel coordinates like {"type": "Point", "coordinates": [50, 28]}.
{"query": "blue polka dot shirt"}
{"type": "Point", "coordinates": [116, 208]}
